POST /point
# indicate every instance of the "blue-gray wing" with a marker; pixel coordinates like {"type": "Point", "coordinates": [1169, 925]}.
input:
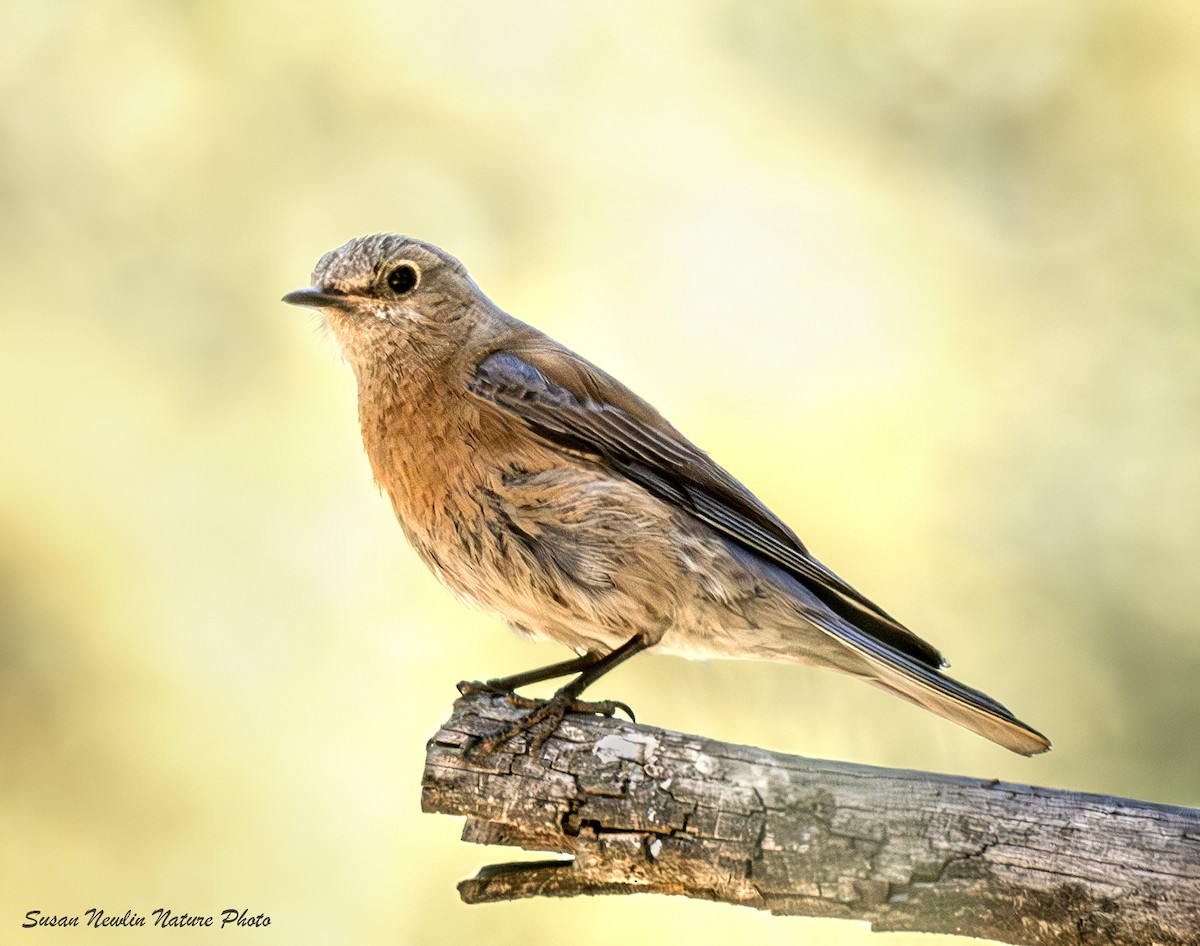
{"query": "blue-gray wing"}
{"type": "Point", "coordinates": [574, 406]}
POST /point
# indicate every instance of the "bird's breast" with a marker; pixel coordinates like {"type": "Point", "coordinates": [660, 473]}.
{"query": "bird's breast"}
{"type": "Point", "coordinates": [553, 543]}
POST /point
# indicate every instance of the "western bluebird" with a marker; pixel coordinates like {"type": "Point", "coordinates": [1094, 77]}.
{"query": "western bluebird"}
{"type": "Point", "coordinates": [539, 487]}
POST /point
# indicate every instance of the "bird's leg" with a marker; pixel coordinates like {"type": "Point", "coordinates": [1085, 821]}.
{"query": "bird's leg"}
{"type": "Point", "coordinates": [566, 700]}
{"type": "Point", "coordinates": [509, 684]}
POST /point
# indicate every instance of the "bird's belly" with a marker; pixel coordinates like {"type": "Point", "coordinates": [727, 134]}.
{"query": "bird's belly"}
{"type": "Point", "coordinates": [589, 561]}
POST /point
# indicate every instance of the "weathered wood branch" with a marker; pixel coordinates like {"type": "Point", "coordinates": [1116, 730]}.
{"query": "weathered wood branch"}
{"type": "Point", "coordinates": [643, 810]}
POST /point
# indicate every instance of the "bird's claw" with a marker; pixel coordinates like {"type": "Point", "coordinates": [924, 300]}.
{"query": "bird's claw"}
{"type": "Point", "coordinates": [474, 687]}
{"type": "Point", "coordinates": [545, 716]}
{"type": "Point", "coordinates": [610, 707]}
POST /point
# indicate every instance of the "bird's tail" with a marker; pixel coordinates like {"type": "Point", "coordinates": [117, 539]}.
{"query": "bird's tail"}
{"type": "Point", "coordinates": [959, 703]}
{"type": "Point", "coordinates": [931, 689]}
{"type": "Point", "coordinates": [889, 656]}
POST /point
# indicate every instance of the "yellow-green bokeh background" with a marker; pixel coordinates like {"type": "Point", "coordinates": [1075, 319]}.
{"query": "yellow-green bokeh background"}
{"type": "Point", "coordinates": [922, 274]}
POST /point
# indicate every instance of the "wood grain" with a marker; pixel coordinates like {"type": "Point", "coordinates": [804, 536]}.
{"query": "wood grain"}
{"type": "Point", "coordinates": [644, 810]}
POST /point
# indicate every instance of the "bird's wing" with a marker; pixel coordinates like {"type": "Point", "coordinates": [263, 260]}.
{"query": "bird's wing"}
{"type": "Point", "coordinates": [574, 406]}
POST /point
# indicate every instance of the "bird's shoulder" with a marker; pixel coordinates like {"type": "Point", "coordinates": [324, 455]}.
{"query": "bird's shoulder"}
{"type": "Point", "coordinates": [526, 357]}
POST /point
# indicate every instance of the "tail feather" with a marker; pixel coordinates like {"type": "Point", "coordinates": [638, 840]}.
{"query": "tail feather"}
{"type": "Point", "coordinates": [891, 663]}
{"type": "Point", "coordinates": [961, 704]}
{"type": "Point", "coordinates": [932, 690]}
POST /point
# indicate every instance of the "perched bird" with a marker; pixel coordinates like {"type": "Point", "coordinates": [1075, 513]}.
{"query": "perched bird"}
{"type": "Point", "coordinates": [539, 487]}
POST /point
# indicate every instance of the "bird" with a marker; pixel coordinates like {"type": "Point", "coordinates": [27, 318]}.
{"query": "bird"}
{"type": "Point", "coordinates": [539, 487]}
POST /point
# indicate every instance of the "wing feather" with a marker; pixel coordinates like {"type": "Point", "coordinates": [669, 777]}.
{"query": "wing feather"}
{"type": "Point", "coordinates": [573, 405]}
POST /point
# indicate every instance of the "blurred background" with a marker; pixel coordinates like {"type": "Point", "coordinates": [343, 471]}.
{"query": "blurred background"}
{"type": "Point", "coordinates": [921, 274]}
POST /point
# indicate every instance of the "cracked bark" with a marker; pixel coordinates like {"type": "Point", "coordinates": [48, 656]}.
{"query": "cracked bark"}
{"type": "Point", "coordinates": [644, 810]}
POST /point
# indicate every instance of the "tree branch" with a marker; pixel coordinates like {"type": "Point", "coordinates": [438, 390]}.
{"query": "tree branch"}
{"type": "Point", "coordinates": [644, 810]}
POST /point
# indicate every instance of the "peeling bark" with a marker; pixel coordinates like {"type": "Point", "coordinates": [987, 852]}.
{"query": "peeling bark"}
{"type": "Point", "coordinates": [644, 810]}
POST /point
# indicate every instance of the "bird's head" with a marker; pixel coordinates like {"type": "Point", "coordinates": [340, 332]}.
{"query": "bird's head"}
{"type": "Point", "coordinates": [393, 300]}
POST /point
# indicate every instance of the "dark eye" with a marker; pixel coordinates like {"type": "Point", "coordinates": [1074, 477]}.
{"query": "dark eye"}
{"type": "Point", "coordinates": [403, 278]}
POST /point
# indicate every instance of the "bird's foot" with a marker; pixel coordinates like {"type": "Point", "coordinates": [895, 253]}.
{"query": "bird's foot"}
{"type": "Point", "coordinates": [545, 716]}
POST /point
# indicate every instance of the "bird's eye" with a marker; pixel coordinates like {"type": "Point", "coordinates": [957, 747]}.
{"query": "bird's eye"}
{"type": "Point", "coordinates": [403, 278]}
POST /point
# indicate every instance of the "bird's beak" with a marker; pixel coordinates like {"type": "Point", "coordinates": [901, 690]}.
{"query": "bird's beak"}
{"type": "Point", "coordinates": [317, 298]}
